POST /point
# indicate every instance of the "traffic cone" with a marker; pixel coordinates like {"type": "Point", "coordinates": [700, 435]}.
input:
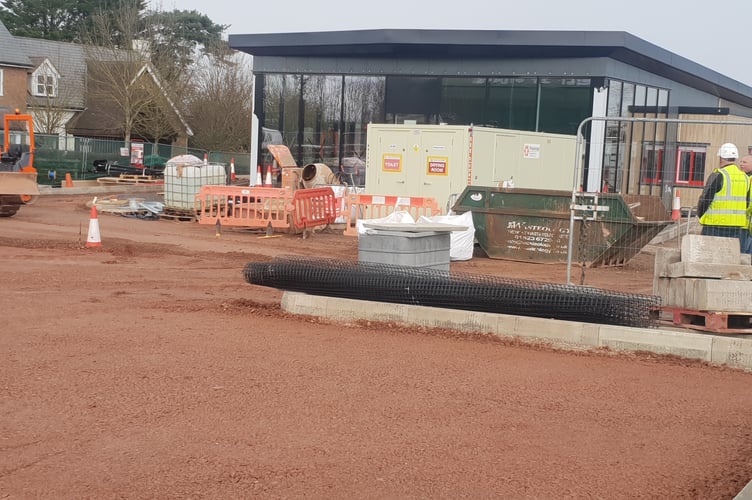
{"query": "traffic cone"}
{"type": "Point", "coordinates": [233, 177]}
{"type": "Point", "coordinates": [206, 159]}
{"type": "Point", "coordinates": [259, 181]}
{"type": "Point", "coordinates": [93, 239]}
{"type": "Point", "coordinates": [268, 179]}
{"type": "Point", "coordinates": [68, 180]}
{"type": "Point", "coordinates": [676, 207]}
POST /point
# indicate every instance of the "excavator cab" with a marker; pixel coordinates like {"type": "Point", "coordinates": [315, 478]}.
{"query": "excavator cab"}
{"type": "Point", "coordinates": [18, 177]}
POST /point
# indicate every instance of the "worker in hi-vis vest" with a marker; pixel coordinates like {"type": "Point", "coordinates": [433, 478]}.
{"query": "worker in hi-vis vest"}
{"type": "Point", "coordinates": [746, 165]}
{"type": "Point", "coordinates": [722, 207]}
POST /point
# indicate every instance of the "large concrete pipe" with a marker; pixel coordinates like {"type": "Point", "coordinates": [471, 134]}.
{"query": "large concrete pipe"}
{"type": "Point", "coordinates": [318, 174]}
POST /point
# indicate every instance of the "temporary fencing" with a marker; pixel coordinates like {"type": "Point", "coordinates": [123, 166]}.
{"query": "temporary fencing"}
{"type": "Point", "coordinates": [247, 207]}
{"type": "Point", "coordinates": [429, 287]}
{"type": "Point", "coordinates": [372, 206]}
{"type": "Point", "coordinates": [314, 207]}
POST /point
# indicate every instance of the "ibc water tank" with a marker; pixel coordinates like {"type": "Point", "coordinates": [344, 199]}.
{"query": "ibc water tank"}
{"type": "Point", "coordinates": [183, 182]}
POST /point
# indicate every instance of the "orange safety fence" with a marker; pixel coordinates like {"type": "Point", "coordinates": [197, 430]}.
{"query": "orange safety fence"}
{"type": "Point", "coordinates": [250, 207]}
{"type": "Point", "coordinates": [314, 207]}
{"type": "Point", "coordinates": [372, 206]}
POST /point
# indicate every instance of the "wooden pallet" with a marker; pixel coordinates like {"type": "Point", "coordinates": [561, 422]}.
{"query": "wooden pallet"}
{"type": "Point", "coordinates": [130, 179]}
{"type": "Point", "coordinates": [178, 215]}
{"type": "Point", "coordinates": [709, 321]}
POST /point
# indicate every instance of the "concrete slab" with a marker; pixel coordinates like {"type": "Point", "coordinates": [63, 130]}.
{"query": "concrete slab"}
{"type": "Point", "coordinates": [712, 271]}
{"type": "Point", "coordinates": [663, 258]}
{"type": "Point", "coordinates": [710, 249]}
{"type": "Point", "coordinates": [661, 288]}
{"type": "Point", "coordinates": [718, 295]}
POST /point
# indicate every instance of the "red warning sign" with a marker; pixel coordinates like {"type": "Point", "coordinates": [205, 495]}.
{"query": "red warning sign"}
{"type": "Point", "coordinates": [391, 163]}
{"type": "Point", "coordinates": [438, 165]}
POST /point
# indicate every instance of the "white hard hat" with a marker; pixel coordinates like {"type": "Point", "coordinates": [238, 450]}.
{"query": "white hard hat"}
{"type": "Point", "coordinates": [728, 152]}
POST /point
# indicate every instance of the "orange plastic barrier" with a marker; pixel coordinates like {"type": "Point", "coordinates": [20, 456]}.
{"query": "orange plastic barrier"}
{"type": "Point", "coordinates": [372, 206]}
{"type": "Point", "coordinates": [238, 206]}
{"type": "Point", "coordinates": [314, 207]}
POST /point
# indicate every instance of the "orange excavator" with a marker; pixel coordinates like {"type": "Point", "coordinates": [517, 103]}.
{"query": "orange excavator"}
{"type": "Point", "coordinates": [18, 177]}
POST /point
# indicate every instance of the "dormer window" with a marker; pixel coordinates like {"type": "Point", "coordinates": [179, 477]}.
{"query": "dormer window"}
{"type": "Point", "coordinates": [44, 80]}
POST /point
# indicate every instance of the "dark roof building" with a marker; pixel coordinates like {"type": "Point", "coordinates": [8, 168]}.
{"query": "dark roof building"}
{"type": "Point", "coordinates": [320, 89]}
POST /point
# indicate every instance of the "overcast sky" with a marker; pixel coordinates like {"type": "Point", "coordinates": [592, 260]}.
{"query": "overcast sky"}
{"type": "Point", "coordinates": [716, 34]}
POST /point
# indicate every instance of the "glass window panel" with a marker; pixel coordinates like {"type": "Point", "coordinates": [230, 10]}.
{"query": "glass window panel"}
{"type": "Point", "coordinates": [364, 104]}
{"type": "Point", "coordinates": [564, 103]}
{"type": "Point", "coordinates": [663, 97]}
{"type": "Point", "coordinates": [685, 165]}
{"type": "Point", "coordinates": [614, 98]}
{"type": "Point", "coordinates": [415, 98]}
{"type": "Point", "coordinates": [463, 101]}
{"type": "Point", "coordinates": [281, 110]}
{"type": "Point", "coordinates": [512, 103]}
{"type": "Point", "coordinates": [652, 97]}
{"type": "Point", "coordinates": [322, 109]}
{"type": "Point", "coordinates": [652, 164]}
{"type": "Point", "coordinates": [640, 92]}
{"type": "Point", "coordinates": [698, 173]}
{"type": "Point", "coordinates": [627, 97]}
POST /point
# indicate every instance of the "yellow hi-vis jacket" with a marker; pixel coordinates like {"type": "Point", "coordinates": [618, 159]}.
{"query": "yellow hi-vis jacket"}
{"type": "Point", "coordinates": [729, 206]}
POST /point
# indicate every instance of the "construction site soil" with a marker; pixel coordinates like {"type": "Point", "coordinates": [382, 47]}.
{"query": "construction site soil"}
{"type": "Point", "coordinates": [148, 368]}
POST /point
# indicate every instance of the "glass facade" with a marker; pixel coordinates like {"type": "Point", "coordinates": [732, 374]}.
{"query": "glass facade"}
{"type": "Point", "coordinates": [623, 140]}
{"type": "Point", "coordinates": [323, 118]}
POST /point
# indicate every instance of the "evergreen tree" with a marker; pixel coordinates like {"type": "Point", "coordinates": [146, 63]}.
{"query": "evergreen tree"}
{"type": "Point", "coordinates": [61, 20]}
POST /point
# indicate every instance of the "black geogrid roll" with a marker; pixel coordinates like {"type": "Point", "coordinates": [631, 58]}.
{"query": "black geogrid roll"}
{"type": "Point", "coordinates": [428, 287]}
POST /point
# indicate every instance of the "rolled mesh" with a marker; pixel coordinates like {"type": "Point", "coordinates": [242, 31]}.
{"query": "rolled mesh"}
{"type": "Point", "coordinates": [428, 287]}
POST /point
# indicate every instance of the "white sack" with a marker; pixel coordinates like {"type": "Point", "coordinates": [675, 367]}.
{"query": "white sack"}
{"type": "Point", "coordinates": [461, 243]}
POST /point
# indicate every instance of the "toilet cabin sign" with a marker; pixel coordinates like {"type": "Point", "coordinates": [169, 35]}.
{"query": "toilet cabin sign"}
{"type": "Point", "coordinates": [391, 162]}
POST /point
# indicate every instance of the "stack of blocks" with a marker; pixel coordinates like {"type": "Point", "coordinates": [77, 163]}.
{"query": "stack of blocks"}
{"type": "Point", "coordinates": [709, 273]}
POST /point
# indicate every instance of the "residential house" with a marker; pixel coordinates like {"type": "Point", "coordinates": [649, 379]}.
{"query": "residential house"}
{"type": "Point", "coordinates": [53, 81]}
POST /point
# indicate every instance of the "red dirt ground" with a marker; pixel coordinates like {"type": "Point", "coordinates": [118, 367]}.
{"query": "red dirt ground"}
{"type": "Point", "coordinates": [148, 368]}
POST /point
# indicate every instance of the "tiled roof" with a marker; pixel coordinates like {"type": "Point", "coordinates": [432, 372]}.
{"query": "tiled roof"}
{"type": "Point", "coordinates": [68, 59]}
{"type": "Point", "coordinates": [12, 54]}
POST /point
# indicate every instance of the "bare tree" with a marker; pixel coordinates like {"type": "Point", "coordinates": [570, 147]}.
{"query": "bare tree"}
{"type": "Point", "coordinates": [162, 115]}
{"type": "Point", "coordinates": [118, 69]}
{"type": "Point", "coordinates": [220, 107]}
{"type": "Point", "coordinates": [51, 115]}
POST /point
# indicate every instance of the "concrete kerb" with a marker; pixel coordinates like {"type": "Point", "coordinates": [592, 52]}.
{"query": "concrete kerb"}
{"type": "Point", "coordinates": [746, 493]}
{"type": "Point", "coordinates": [716, 349]}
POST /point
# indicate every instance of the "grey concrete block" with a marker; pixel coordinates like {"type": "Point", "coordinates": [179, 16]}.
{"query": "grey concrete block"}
{"type": "Point", "coordinates": [424, 249]}
{"type": "Point", "coordinates": [710, 249]}
{"type": "Point", "coordinates": [661, 288]}
{"type": "Point", "coordinates": [663, 258]}
{"type": "Point", "coordinates": [706, 270]}
{"type": "Point", "coordinates": [718, 295]}
{"type": "Point", "coordinates": [677, 291]}
{"type": "Point", "coordinates": [746, 259]}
